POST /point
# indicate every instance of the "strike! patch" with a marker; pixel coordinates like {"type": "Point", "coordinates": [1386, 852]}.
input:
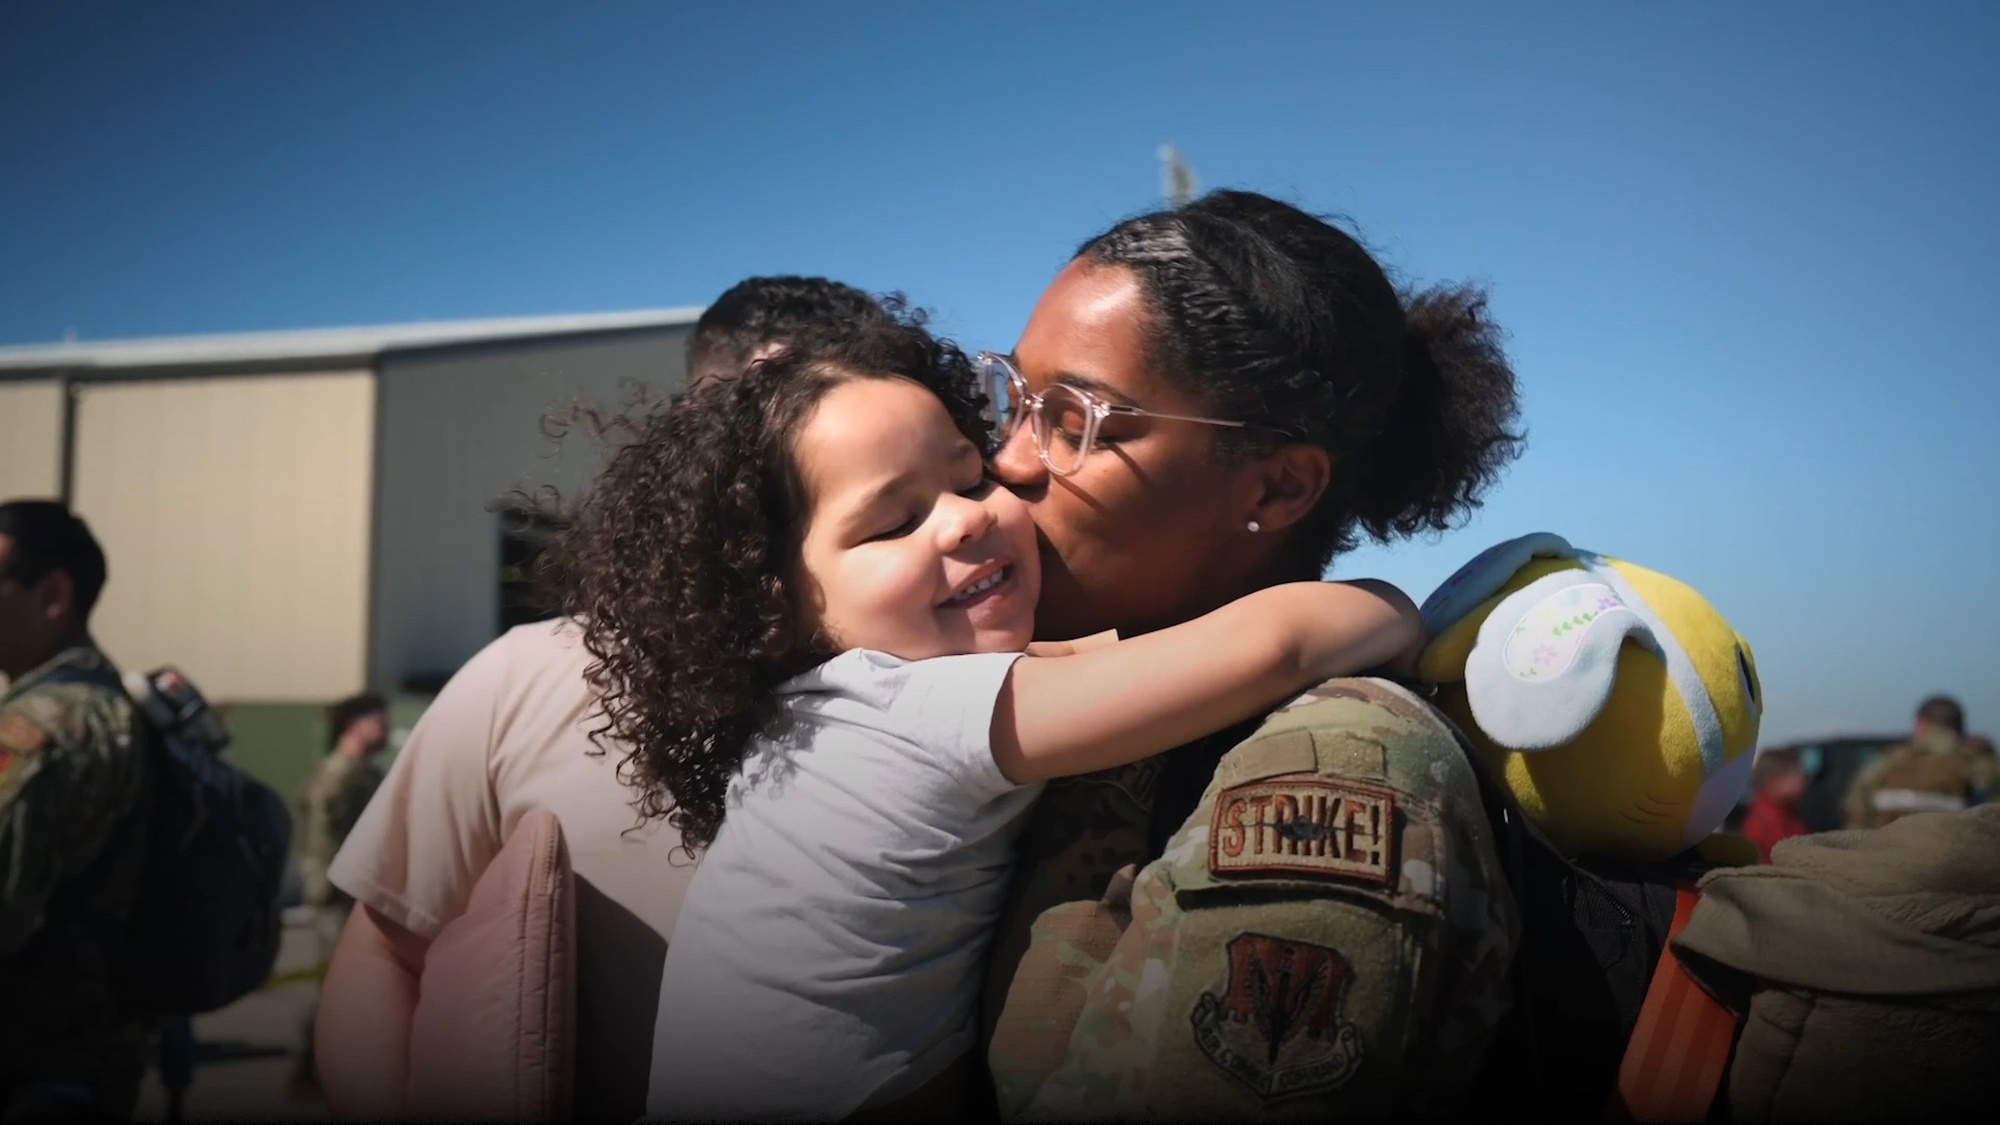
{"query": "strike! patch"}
{"type": "Point", "coordinates": [1304, 825]}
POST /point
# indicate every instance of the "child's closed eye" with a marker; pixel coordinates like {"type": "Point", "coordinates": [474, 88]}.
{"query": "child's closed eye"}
{"type": "Point", "coordinates": [900, 530]}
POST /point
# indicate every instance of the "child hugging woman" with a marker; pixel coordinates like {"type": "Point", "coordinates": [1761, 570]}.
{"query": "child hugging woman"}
{"type": "Point", "coordinates": [810, 609]}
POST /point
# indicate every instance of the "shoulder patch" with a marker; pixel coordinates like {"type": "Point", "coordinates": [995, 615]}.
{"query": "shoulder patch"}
{"type": "Point", "coordinates": [1304, 825]}
{"type": "Point", "coordinates": [1276, 1024]}
{"type": "Point", "coordinates": [21, 735]}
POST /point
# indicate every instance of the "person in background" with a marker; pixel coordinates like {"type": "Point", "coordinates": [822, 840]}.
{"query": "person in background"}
{"type": "Point", "coordinates": [1985, 766]}
{"type": "Point", "coordinates": [357, 730]}
{"type": "Point", "coordinates": [511, 732]}
{"type": "Point", "coordinates": [71, 776]}
{"type": "Point", "coordinates": [1930, 773]}
{"type": "Point", "coordinates": [1777, 781]}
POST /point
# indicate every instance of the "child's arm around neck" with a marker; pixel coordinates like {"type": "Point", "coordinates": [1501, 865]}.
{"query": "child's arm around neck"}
{"type": "Point", "coordinates": [1115, 704]}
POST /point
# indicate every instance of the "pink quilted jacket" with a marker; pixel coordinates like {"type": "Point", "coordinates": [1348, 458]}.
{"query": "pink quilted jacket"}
{"type": "Point", "coordinates": [493, 1038]}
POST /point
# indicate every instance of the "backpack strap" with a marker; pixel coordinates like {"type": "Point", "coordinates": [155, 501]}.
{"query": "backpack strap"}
{"type": "Point", "coordinates": [1679, 1051]}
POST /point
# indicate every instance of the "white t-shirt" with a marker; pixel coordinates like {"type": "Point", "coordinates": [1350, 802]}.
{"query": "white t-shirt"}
{"type": "Point", "coordinates": [510, 733]}
{"type": "Point", "coordinates": [828, 954]}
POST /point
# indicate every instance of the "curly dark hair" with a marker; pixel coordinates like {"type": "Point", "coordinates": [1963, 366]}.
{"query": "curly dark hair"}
{"type": "Point", "coordinates": [1278, 318]}
{"type": "Point", "coordinates": [681, 563]}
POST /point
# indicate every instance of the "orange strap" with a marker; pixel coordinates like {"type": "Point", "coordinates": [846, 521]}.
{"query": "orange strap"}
{"type": "Point", "coordinates": [1679, 1049]}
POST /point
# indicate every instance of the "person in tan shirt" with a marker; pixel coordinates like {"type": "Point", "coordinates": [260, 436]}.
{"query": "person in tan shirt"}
{"type": "Point", "coordinates": [511, 732]}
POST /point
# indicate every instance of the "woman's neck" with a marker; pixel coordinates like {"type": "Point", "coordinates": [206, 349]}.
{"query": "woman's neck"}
{"type": "Point", "coordinates": [1211, 596]}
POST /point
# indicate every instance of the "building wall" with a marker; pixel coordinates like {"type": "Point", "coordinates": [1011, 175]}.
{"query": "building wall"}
{"type": "Point", "coordinates": [234, 514]}
{"type": "Point", "coordinates": [30, 439]}
{"type": "Point", "coordinates": [459, 429]}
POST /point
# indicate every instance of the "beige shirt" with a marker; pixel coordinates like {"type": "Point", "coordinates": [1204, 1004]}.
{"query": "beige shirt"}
{"type": "Point", "coordinates": [509, 733]}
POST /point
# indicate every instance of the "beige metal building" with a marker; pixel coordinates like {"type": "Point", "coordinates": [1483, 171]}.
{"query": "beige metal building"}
{"type": "Point", "coordinates": [291, 515]}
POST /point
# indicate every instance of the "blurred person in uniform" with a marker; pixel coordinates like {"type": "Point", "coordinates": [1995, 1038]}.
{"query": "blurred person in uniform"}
{"type": "Point", "coordinates": [513, 731]}
{"type": "Point", "coordinates": [1985, 766]}
{"type": "Point", "coordinates": [1932, 772]}
{"type": "Point", "coordinates": [72, 771]}
{"type": "Point", "coordinates": [1777, 781]}
{"type": "Point", "coordinates": [340, 788]}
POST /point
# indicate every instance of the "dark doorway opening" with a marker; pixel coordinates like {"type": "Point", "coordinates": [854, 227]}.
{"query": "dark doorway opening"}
{"type": "Point", "coordinates": [522, 537]}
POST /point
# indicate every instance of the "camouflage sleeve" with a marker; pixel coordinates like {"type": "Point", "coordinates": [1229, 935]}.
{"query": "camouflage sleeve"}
{"type": "Point", "coordinates": [1081, 831]}
{"type": "Point", "coordinates": [344, 812]}
{"type": "Point", "coordinates": [1328, 935]}
{"type": "Point", "coordinates": [1858, 809]}
{"type": "Point", "coordinates": [317, 841]}
{"type": "Point", "coordinates": [67, 781]}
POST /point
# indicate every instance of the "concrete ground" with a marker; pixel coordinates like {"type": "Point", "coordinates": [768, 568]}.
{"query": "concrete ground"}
{"type": "Point", "coordinates": [243, 1052]}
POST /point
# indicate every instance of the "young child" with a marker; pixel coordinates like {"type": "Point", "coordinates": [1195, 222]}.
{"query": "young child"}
{"type": "Point", "coordinates": [840, 709]}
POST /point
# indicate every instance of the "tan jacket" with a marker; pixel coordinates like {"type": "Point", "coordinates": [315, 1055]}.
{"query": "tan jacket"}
{"type": "Point", "coordinates": [1867, 964]}
{"type": "Point", "coordinates": [1933, 772]}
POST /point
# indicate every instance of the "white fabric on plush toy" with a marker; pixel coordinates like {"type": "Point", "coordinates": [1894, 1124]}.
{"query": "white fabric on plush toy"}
{"type": "Point", "coordinates": [1547, 660]}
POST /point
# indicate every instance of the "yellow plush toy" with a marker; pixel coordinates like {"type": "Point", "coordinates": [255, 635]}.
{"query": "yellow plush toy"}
{"type": "Point", "coordinates": [1615, 703]}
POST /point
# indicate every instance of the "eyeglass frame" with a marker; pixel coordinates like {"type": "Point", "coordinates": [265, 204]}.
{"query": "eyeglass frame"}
{"type": "Point", "coordinates": [1096, 410]}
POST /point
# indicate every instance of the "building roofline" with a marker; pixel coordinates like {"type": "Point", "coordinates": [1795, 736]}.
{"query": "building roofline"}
{"type": "Point", "coordinates": [298, 349]}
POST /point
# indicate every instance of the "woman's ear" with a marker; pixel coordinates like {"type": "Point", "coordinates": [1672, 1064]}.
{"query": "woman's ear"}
{"type": "Point", "coordinates": [1288, 483]}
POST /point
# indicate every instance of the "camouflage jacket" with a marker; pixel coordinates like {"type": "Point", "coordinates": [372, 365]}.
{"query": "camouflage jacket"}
{"type": "Point", "coordinates": [71, 773]}
{"type": "Point", "coordinates": [339, 789]}
{"type": "Point", "coordinates": [1328, 934]}
{"type": "Point", "coordinates": [1933, 772]}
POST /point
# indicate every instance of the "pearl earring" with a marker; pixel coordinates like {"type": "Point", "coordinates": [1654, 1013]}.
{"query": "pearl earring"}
{"type": "Point", "coordinates": [1254, 527]}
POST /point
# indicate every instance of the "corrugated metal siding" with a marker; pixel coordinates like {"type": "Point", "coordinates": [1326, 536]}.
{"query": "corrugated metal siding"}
{"type": "Point", "coordinates": [234, 514]}
{"type": "Point", "coordinates": [461, 428]}
{"type": "Point", "coordinates": [31, 439]}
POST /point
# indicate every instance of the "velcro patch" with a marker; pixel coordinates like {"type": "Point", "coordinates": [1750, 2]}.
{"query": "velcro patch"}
{"type": "Point", "coordinates": [19, 735]}
{"type": "Point", "coordinates": [1276, 1026]}
{"type": "Point", "coordinates": [1304, 825]}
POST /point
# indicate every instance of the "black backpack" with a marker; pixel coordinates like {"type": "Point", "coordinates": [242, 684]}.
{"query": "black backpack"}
{"type": "Point", "coordinates": [206, 924]}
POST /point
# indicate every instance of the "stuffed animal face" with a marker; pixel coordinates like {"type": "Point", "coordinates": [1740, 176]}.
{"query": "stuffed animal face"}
{"type": "Point", "coordinates": [1614, 702]}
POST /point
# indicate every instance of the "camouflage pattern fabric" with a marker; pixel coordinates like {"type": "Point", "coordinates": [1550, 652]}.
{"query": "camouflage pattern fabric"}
{"type": "Point", "coordinates": [334, 797]}
{"type": "Point", "coordinates": [1933, 772]}
{"type": "Point", "coordinates": [1328, 934]}
{"type": "Point", "coordinates": [1079, 834]}
{"type": "Point", "coordinates": [71, 773]}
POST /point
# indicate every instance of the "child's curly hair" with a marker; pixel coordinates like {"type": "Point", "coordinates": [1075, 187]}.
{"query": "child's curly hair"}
{"type": "Point", "coordinates": [681, 562]}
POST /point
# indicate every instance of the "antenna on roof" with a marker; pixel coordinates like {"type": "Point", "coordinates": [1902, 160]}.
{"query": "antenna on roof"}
{"type": "Point", "coordinates": [1178, 178]}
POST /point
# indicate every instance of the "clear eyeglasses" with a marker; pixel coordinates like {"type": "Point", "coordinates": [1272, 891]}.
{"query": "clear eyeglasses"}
{"type": "Point", "coordinates": [1066, 420]}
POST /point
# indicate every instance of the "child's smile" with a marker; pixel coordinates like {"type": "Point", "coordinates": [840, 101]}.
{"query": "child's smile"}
{"type": "Point", "coordinates": [909, 549]}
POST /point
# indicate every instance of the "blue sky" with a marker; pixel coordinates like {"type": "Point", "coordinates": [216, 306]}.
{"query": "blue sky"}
{"type": "Point", "coordinates": [1747, 257]}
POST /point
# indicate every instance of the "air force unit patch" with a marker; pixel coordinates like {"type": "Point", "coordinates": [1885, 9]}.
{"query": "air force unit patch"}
{"type": "Point", "coordinates": [1276, 1025]}
{"type": "Point", "coordinates": [1304, 825]}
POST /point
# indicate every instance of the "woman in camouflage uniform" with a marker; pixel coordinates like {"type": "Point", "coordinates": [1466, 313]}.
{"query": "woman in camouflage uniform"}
{"type": "Point", "coordinates": [1324, 928]}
